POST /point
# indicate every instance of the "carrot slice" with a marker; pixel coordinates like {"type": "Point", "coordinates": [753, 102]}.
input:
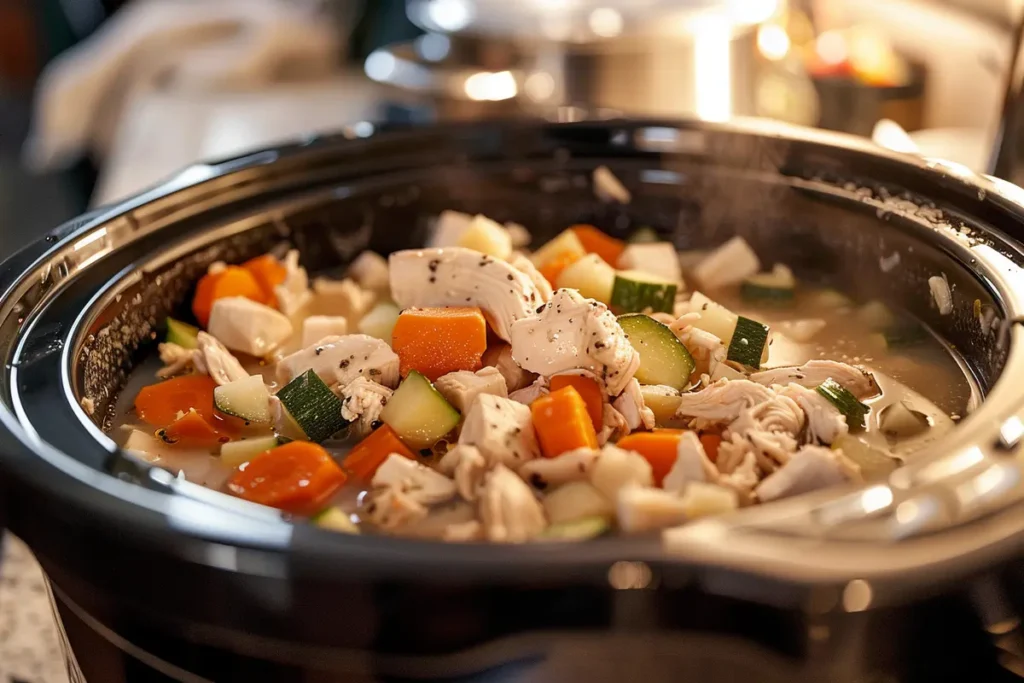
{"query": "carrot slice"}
{"type": "Point", "coordinates": [436, 341]}
{"type": "Point", "coordinates": [589, 390]}
{"type": "Point", "coordinates": [232, 281]}
{"type": "Point", "coordinates": [298, 477]}
{"type": "Point", "coordinates": [562, 422]}
{"type": "Point", "coordinates": [659, 448]}
{"type": "Point", "coordinates": [269, 272]}
{"type": "Point", "coordinates": [192, 430]}
{"type": "Point", "coordinates": [554, 267]}
{"type": "Point", "coordinates": [367, 455]}
{"type": "Point", "coordinates": [159, 404]}
{"type": "Point", "coordinates": [711, 442]}
{"type": "Point", "coordinates": [597, 242]}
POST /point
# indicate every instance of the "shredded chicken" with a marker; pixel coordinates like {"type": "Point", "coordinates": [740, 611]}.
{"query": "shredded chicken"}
{"type": "Point", "coordinates": [509, 511]}
{"type": "Point", "coordinates": [461, 388]}
{"type": "Point", "coordinates": [362, 401]}
{"type": "Point", "coordinates": [572, 332]}
{"type": "Point", "coordinates": [614, 425]}
{"type": "Point", "coordinates": [574, 465]}
{"type": "Point", "coordinates": [692, 464]}
{"type": "Point", "coordinates": [825, 423]}
{"type": "Point", "coordinates": [531, 393]}
{"type": "Point", "coordinates": [723, 401]}
{"type": "Point", "coordinates": [210, 358]}
{"type": "Point", "coordinates": [777, 413]}
{"type": "Point", "coordinates": [706, 349]}
{"type": "Point", "coordinates": [630, 405]}
{"type": "Point", "coordinates": [813, 467]}
{"type": "Point", "coordinates": [741, 477]}
{"type": "Point", "coordinates": [293, 294]}
{"type": "Point", "coordinates": [176, 359]}
{"type": "Point", "coordinates": [499, 356]}
{"type": "Point", "coordinates": [391, 507]}
{"type": "Point", "coordinates": [811, 374]}
{"type": "Point", "coordinates": [469, 472]}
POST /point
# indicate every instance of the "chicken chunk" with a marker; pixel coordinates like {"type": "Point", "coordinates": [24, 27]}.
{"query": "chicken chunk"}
{"type": "Point", "coordinates": [642, 509]}
{"type": "Point", "coordinates": [860, 383]}
{"type": "Point", "coordinates": [576, 500]}
{"type": "Point", "coordinates": [340, 360]}
{"type": "Point", "coordinates": [528, 395]}
{"type": "Point", "coordinates": [461, 388]}
{"type": "Point", "coordinates": [509, 511]}
{"type": "Point", "coordinates": [344, 298]}
{"type": "Point", "coordinates": [420, 483]}
{"type": "Point", "coordinates": [614, 427]}
{"type": "Point", "coordinates": [454, 276]}
{"type": "Point", "coordinates": [776, 414]}
{"type": "Point", "coordinates": [212, 358]}
{"type": "Point", "coordinates": [293, 294]}
{"type": "Point", "coordinates": [692, 465]}
{"type": "Point", "coordinates": [574, 465]}
{"type": "Point", "coordinates": [464, 532]}
{"type": "Point", "coordinates": [502, 429]}
{"type": "Point", "coordinates": [470, 472]}
{"type": "Point", "coordinates": [390, 508]}
{"type": "Point", "coordinates": [657, 258]}
{"type": "Point", "coordinates": [813, 467]}
{"type": "Point", "coordinates": [370, 270]}
{"type": "Point", "coordinates": [616, 468]}
{"type": "Point", "coordinates": [706, 349]}
{"type": "Point", "coordinates": [729, 264]}
{"type": "Point", "coordinates": [540, 282]}
{"type": "Point", "coordinates": [572, 332]}
{"type": "Point", "coordinates": [247, 326]}
{"type": "Point", "coordinates": [500, 356]}
{"type": "Point", "coordinates": [770, 449]}
{"type": "Point", "coordinates": [825, 423]}
{"type": "Point", "coordinates": [362, 401]}
{"type": "Point", "coordinates": [317, 327]}
{"type": "Point", "coordinates": [448, 228]}
{"type": "Point", "coordinates": [723, 401]}
{"type": "Point", "coordinates": [176, 359]}
{"type": "Point", "coordinates": [631, 405]}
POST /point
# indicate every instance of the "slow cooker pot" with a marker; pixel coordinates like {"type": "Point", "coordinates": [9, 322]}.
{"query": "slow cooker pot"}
{"type": "Point", "coordinates": [155, 579]}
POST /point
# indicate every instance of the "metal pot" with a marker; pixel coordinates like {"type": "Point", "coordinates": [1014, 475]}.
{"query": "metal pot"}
{"type": "Point", "coordinates": [155, 577]}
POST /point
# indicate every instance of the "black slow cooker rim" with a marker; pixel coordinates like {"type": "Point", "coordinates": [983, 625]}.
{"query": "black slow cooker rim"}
{"type": "Point", "coordinates": [144, 514]}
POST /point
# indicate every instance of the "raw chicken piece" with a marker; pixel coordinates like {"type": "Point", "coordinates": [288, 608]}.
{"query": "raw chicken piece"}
{"type": "Point", "coordinates": [813, 467]}
{"type": "Point", "coordinates": [825, 423]}
{"type": "Point", "coordinates": [461, 388]}
{"type": "Point", "coordinates": [247, 326]}
{"type": "Point", "coordinates": [811, 374]}
{"type": "Point", "coordinates": [723, 401]}
{"type": "Point", "coordinates": [500, 356]}
{"type": "Point", "coordinates": [340, 360]}
{"type": "Point", "coordinates": [572, 332]}
{"type": "Point", "coordinates": [509, 511]}
{"type": "Point", "coordinates": [502, 429]}
{"type": "Point", "coordinates": [362, 401]}
{"type": "Point", "coordinates": [631, 405]}
{"type": "Point", "coordinates": [454, 276]}
{"type": "Point", "coordinates": [293, 294]}
{"type": "Point", "coordinates": [547, 473]}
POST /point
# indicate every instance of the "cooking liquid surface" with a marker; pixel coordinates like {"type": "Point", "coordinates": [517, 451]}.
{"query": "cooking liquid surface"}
{"type": "Point", "coordinates": [925, 375]}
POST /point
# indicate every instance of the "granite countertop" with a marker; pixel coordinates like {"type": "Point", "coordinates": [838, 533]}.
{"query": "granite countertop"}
{"type": "Point", "coordinates": [29, 644]}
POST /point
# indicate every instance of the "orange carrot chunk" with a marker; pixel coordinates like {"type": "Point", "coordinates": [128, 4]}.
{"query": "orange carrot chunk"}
{"type": "Point", "coordinates": [269, 272]}
{"type": "Point", "coordinates": [562, 422]}
{"type": "Point", "coordinates": [159, 404]}
{"type": "Point", "coordinates": [659, 448]}
{"type": "Point", "coordinates": [711, 442]}
{"type": "Point", "coordinates": [367, 455]}
{"type": "Point", "coordinates": [596, 242]}
{"type": "Point", "coordinates": [554, 267]}
{"type": "Point", "coordinates": [192, 430]}
{"type": "Point", "coordinates": [232, 281]}
{"type": "Point", "coordinates": [436, 341]}
{"type": "Point", "coordinates": [298, 477]}
{"type": "Point", "coordinates": [589, 390]}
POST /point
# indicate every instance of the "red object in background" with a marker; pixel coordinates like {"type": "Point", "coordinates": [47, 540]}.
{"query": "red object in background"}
{"type": "Point", "coordinates": [19, 60]}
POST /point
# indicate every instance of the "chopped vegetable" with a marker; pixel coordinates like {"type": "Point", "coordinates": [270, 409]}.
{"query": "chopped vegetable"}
{"type": "Point", "coordinates": [334, 519]}
{"type": "Point", "coordinates": [874, 463]}
{"type": "Point", "coordinates": [184, 335]}
{"type": "Point", "coordinates": [658, 447]}
{"type": "Point", "coordinates": [234, 453]}
{"type": "Point", "coordinates": [574, 501]}
{"type": "Point", "coordinates": [191, 430]}
{"type": "Point", "coordinates": [552, 270]}
{"type": "Point", "coordinates": [589, 390]}
{"type": "Point", "coordinates": [845, 402]}
{"type": "Point", "coordinates": [269, 273]}
{"type": "Point", "coordinates": [714, 317]}
{"type": "Point", "coordinates": [701, 499]}
{"type": "Point", "coordinates": [159, 404]}
{"type": "Point", "coordinates": [247, 399]}
{"type": "Point", "coordinates": [577, 530]}
{"type": "Point", "coordinates": [801, 331]}
{"type": "Point", "coordinates": [777, 286]}
{"type": "Point", "coordinates": [636, 291]}
{"type": "Point", "coordinates": [876, 316]}
{"type": "Point", "coordinates": [729, 264]}
{"type": "Point", "coordinates": [830, 298]}
{"type": "Point", "coordinates": [941, 294]}
{"type": "Point", "coordinates": [749, 342]}
{"type": "Point", "coordinates": [900, 421]}
{"type": "Point", "coordinates": [609, 188]}
{"type": "Point", "coordinates": [591, 276]}
{"type": "Point", "coordinates": [662, 400]}
{"type": "Point", "coordinates": [313, 406]}
{"type": "Point", "coordinates": [370, 453]}
{"type": "Point", "coordinates": [380, 321]}
{"type": "Point", "coordinates": [711, 443]}
{"type": "Point", "coordinates": [562, 423]}
{"type": "Point", "coordinates": [566, 243]}
{"type": "Point", "coordinates": [298, 477]}
{"type": "Point", "coordinates": [656, 258]}
{"type": "Point", "coordinates": [231, 281]}
{"type": "Point", "coordinates": [663, 358]}
{"type": "Point", "coordinates": [436, 341]}
{"type": "Point", "coordinates": [418, 413]}
{"type": "Point", "coordinates": [595, 241]}
{"type": "Point", "coordinates": [487, 237]}
{"type": "Point", "coordinates": [317, 327]}
{"type": "Point", "coordinates": [644, 235]}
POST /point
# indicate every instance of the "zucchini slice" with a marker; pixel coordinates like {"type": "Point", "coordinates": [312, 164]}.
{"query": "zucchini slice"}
{"type": "Point", "coordinates": [334, 519]}
{"type": "Point", "coordinates": [184, 335]}
{"type": "Point", "coordinates": [845, 402]}
{"type": "Point", "coordinates": [247, 398]}
{"type": "Point", "coordinates": [634, 291]}
{"type": "Point", "coordinates": [418, 413]}
{"type": "Point", "coordinates": [566, 242]}
{"type": "Point", "coordinates": [576, 530]}
{"type": "Point", "coordinates": [313, 406]}
{"type": "Point", "coordinates": [748, 343]}
{"type": "Point", "coordinates": [591, 276]}
{"type": "Point", "coordinates": [380, 321]}
{"type": "Point", "coordinates": [663, 402]}
{"type": "Point", "coordinates": [644, 235]}
{"type": "Point", "coordinates": [778, 286]}
{"type": "Point", "coordinates": [235, 453]}
{"type": "Point", "coordinates": [663, 358]}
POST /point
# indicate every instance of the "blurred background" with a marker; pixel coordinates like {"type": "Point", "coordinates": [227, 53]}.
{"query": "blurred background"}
{"type": "Point", "coordinates": [102, 98]}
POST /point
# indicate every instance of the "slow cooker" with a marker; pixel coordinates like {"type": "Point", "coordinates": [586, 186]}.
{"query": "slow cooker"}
{"type": "Point", "coordinates": [916, 578]}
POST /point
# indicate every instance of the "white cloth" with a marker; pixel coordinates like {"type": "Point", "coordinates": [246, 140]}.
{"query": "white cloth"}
{"type": "Point", "coordinates": [171, 44]}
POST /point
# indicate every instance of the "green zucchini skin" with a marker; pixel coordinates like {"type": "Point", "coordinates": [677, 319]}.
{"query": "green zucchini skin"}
{"type": "Point", "coordinates": [845, 402]}
{"type": "Point", "coordinates": [748, 342]}
{"type": "Point", "coordinates": [313, 406]}
{"type": "Point", "coordinates": [418, 413]}
{"type": "Point", "coordinates": [634, 292]}
{"type": "Point", "coordinates": [663, 358]}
